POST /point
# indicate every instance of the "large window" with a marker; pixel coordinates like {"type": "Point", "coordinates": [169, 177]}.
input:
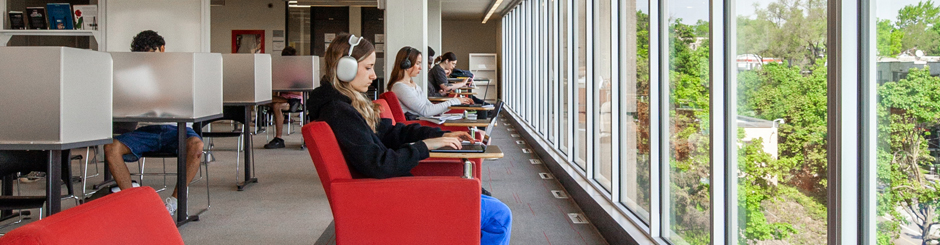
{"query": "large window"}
{"type": "Point", "coordinates": [565, 69]}
{"type": "Point", "coordinates": [635, 103]}
{"type": "Point", "coordinates": [907, 62]}
{"type": "Point", "coordinates": [688, 171]}
{"type": "Point", "coordinates": [795, 114]}
{"type": "Point", "coordinates": [781, 121]}
{"type": "Point", "coordinates": [602, 90]}
{"type": "Point", "coordinates": [580, 86]}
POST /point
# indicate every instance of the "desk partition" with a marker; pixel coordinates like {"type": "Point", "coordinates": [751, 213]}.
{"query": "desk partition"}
{"type": "Point", "coordinates": [295, 72]}
{"type": "Point", "coordinates": [54, 95]}
{"type": "Point", "coordinates": [167, 85]}
{"type": "Point", "coordinates": [247, 78]}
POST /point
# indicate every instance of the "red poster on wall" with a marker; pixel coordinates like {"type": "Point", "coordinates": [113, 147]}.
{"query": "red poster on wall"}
{"type": "Point", "coordinates": [248, 41]}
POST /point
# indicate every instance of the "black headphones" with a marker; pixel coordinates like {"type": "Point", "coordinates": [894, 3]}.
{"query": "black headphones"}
{"type": "Point", "coordinates": [405, 64]}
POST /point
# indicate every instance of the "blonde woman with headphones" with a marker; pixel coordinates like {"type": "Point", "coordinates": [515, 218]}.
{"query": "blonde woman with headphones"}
{"type": "Point", "coordinates": [372, 146]}
{"type": "Point", "coordinates": [410, 94]}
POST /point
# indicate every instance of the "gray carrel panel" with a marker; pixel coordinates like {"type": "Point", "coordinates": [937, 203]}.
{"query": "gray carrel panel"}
{"type": "Point", "coordinates": [54, 95]}
{"type": "Point", "coordinates": [167, 85]}
{"type": "Point", "coordinates": [246, 78]}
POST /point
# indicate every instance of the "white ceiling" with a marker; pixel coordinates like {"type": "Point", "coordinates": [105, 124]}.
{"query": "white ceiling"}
{"type": "Point", "coordinates": [450, 9]}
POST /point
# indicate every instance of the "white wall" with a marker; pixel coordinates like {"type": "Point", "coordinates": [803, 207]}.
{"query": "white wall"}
{"type": "Point", "coordinates": [434, 27]}
{"type": "Point", "coordinates": [246, 15]}
{"type": "Point", "coordinates": [414, 33]}
{"type": "Point", "coordinates": [469, 36]}
{"type": "Point", "coordinates": [184, 24]}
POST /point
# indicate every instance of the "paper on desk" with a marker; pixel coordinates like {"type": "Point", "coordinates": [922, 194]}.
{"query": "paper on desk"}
{"type": "Point", "coordinates": [442, 118]}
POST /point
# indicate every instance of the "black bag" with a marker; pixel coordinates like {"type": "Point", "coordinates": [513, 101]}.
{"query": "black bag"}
{"type": "Point", "coordinates": [460, 73]}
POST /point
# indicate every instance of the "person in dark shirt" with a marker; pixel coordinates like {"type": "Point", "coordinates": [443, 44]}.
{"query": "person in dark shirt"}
{"type": "Point", "coordinates": [374, 147]}
{"type": "Point", "coordinates": [438, 86]}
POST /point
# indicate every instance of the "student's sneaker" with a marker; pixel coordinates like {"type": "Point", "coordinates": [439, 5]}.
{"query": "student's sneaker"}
{"type": "Point", "coordinates": [275, 143]}
{"type": "Point", "coordinates": [116, 189]}
{"type": "Point", "coordinates": [171, 205]}
{"type": "Point", "coordinates": [32, 177]}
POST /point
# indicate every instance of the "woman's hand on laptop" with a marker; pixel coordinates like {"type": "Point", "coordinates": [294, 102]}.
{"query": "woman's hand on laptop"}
{"type": "Point", "coordinates": [465, 101]}
{"type": "Point", "coordinates": [441, 142]}
{"type": "Point", "coordinates": [460, 135]}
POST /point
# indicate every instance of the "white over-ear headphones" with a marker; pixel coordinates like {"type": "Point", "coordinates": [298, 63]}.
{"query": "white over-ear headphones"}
{"type": "Point", "coordinates": [347, 66]}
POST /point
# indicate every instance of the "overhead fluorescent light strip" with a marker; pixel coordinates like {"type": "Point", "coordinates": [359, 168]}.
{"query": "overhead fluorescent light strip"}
{"type": "Point", "coordinates": [492, 9]}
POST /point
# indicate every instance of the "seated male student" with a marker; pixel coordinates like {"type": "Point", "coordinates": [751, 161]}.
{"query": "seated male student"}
{"type": "Point", "coordinates": [438, 84]}
{"type": "Point", "coordinates": [282, 101]}
{"type": "Point", "coordinates": [130, 146]}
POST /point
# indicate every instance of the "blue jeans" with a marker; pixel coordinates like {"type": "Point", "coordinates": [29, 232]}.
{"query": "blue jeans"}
{"type": "Point", "coordinates": [495, 221]}
{"type": "Point", "coordinates": [154, 138]}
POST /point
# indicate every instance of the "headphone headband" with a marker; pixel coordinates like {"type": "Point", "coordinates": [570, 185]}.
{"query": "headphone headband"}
{"type": "Point", "coordinates": [352, 45]}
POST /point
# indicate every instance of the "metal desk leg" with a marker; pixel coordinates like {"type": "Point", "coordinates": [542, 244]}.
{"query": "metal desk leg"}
{"type": "Point", "coordinates": [182, 216]}
{"type": "Point", "coordinates": [53, 176]}
{"type": "Point", "coordinates": [306, 96]}
{"type": "Point", "coordinates": [7, 191]}
{"type": "Point", "coordinates": [249, 178]}
{"type": "Point", "coordinates": [467, 169]}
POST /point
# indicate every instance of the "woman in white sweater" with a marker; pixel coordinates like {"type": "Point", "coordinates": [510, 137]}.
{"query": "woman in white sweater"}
{"type": "Point", "coordinates": [412, 98]}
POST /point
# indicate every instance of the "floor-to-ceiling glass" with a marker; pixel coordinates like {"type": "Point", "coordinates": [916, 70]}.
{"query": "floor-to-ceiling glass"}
{"type": "Point", "coordinates": [688, 220]}
{"type": "Point", "coordinates": [580, 117]}
{"type": "Point", "coordinates": [781, 121]}
{"type": "Point", "coordinates": [564, 73]}
{"type": "Point", "coordinates": [635, 104]}
{"type": "Point", "coordinates": [907, 61]}
{"type": "Point", "coordinates": [603, 88]}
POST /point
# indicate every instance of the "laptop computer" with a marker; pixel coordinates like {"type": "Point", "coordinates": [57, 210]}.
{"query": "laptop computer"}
{"type": "Point", "coordinates": [485, 92]}
{"type": "Point", "coordinates": [466, 147]}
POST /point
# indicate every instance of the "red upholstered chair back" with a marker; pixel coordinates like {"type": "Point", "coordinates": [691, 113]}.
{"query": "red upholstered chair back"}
{"type": "Point", "coordinates": [395, 105]}
{"type": "Point", "coordinates": [132, 216]}
{"type": "Point", "coordinates": [386, 111]}
{"type": "Point", "coordinates": [326, 155]}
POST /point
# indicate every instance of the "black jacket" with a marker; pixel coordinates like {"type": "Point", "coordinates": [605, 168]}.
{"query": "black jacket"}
{"type": "Point", "coordinates": [392, 151]}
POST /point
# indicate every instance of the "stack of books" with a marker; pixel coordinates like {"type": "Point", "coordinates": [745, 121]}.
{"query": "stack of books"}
{"type": "Point", "coordinates": [56, 16]}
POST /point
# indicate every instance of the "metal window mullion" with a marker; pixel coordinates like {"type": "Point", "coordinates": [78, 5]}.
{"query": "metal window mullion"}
{"type": "Point", "coordinates": [868, 118]}
{"type": "Point", "coordinates": [589, 155]}
{"type": "Point", "coordinates": [569, 96]}
{"type": "Point", "coordinates": [615, 100]}
{"type": "Point", "coordinates": [843, 129]}
{"type": "Point", "coordinates": [555, 76]}
{"type": "Point", "coordinates": [659, 214]}
{"type": "Point", "coordinates": [724, 138]}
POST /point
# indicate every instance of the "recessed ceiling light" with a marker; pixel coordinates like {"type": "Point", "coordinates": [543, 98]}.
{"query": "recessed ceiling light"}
{"type": "Point", "coordinates": [492, 9]}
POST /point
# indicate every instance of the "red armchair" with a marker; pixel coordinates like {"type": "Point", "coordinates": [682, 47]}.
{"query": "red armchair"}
{"type": "Point", "coordinates": [404, 210]}
{"type": "Point", "coordinates": [399, 114]}
{"type": "Point", "coordinates": [132, 216]}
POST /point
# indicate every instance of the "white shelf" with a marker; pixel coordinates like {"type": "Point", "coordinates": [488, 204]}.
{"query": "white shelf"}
{"type": "Point", "coordinates": [5, 35]}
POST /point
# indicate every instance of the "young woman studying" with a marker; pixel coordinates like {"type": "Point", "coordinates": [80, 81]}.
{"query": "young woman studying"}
{"type": "Point", "coordinates": [408, 65]}
{"type": "Point", "coordinates": [373, 147]}
{"type": "Point", "coordinates": [438, 77]}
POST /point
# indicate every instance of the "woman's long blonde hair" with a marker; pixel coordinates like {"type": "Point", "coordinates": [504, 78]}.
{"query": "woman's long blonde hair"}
{"type": "Point", "coordinates": [339, 48]}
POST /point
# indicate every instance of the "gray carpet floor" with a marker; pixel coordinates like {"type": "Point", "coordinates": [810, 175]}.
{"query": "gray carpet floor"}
{"type": "Point", "coordinates": [288, 205]}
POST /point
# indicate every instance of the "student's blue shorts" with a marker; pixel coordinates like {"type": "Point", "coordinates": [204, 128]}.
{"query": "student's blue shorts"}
{"type": "Point", "coordinates": [154, 138]}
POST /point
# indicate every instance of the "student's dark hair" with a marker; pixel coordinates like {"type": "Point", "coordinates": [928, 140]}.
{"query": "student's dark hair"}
{"type": "Point", "coordinates": [449, 56]}
{"type": "Point", "coordinates": [398, 73]}
{"type": "Point", "coordinates": [430, 52]}
{"type": "Point", "coordinates": [289, 51]}
{"type": "Point", "coordinates": [147, 41]}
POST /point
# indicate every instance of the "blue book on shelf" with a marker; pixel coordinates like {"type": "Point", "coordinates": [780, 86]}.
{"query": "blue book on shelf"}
{"type": "Point", "coordinates": [60, 16]}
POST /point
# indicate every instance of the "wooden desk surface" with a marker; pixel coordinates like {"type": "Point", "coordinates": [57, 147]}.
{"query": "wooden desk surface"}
{"type": "Point", "coordinates": [467, 123]}
{"type": "Point", "coordinates": [471, 108]}
{"type": "Point", "coordinates": [439, 99]}
{"type": "Point", "coordinates": [492, 151]}
{"type": "Point", "coordinates": [463, 93]}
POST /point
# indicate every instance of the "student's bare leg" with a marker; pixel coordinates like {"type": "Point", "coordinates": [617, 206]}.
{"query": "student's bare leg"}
{"type": "Point", "coordinates": [277, 104]}
{"type": "Point", "coordinates": [114, 154]}
{"type": "Point", "coordinates": [193, 159]}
